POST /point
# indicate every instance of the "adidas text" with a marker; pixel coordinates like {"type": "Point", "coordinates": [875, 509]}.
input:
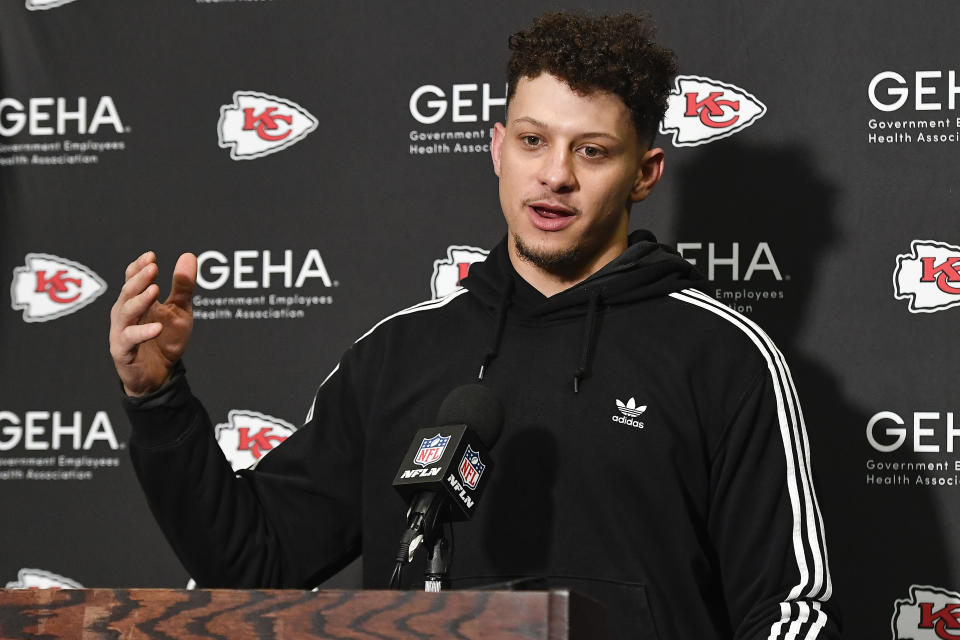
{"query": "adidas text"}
{"type": "Point", "coordinates": [629, 421]}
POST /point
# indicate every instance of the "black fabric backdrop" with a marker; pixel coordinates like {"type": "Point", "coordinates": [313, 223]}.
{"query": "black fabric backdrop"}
{"type": "Point", "coordinates": [115, 127]}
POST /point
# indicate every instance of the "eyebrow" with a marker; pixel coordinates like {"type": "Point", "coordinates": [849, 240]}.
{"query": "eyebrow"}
{"type": "Point", "coordinates": [542, 125]}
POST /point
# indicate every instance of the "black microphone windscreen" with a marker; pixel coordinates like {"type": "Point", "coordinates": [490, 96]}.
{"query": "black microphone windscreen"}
{"type": "Point", "coordinates": [476, 406]}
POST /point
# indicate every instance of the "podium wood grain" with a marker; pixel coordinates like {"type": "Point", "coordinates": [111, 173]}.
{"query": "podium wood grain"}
{"type": "Point", "coordinates": [132, 614]}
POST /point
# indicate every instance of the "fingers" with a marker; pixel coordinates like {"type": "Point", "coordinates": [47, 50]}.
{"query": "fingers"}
{"type": "Point", "coordinates": [184, 281]}
{"type": "Point", "coordinates": [134, 267]}
{"type": "Point", "coordinates": [125, 333]}
{"type": "Point", "coordinates": [130, 310]}
{"type": "Point", "coordinates": [137, 281]}
{"type": "Point", "coordinates": [125, 341]}
{"type": "Point", "coordinates": [139, 292]}
{"type": "Point", "coordinates": [136, 296]}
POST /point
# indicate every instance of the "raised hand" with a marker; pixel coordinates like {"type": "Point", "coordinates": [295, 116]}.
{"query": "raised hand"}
{"type": "Point", "coordinates": [148, 337]}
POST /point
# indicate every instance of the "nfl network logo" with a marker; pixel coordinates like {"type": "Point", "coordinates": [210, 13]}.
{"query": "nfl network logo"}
{"type": "Point", "coordinates": [431, 450]}
{"type": "Point", "coordinates": [471, 468]}
{"type": "Point", "coordinates": [258, 124]}
{"type": "Point", "coordinates": [702, 110]}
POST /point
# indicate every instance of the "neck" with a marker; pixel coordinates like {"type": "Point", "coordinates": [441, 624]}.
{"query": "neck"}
{"type": "Point", "coordinates": [550, 282]}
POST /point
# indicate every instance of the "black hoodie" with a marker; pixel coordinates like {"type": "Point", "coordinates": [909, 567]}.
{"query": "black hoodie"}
{"type": "Point", "coordinates": [653, 456]}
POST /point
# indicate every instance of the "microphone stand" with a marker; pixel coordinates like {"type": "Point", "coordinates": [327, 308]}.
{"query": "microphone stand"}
{"type": "Point", "coordinates": [424, 526]}
{"type": "Point", "coordinates": [439, 554]}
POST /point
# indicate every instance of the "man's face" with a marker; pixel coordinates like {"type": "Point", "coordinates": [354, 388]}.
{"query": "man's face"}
{"type": "Point", "coordinates": [569, 167]}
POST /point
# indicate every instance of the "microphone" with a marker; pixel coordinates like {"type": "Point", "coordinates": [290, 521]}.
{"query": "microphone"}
{"type": "Point", "coordinates": [447, 467]}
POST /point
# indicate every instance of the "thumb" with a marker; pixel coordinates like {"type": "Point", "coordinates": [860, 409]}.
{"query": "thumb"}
{"type": "Point", "coordinates": [184, 281]}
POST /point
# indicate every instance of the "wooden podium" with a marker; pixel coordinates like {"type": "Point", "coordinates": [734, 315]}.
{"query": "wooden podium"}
{"type": "Point", "coordinates": [129, 614]}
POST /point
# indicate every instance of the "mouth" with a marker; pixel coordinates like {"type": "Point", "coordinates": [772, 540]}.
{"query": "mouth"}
{"type": "Point", "coordinates": [549, 216]}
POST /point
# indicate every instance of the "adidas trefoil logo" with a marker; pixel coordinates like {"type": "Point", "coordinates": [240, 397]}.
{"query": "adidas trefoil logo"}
{"type": "Point", "coordinates": [628, 412]}
{"type": "Point", "coordinates": [630, 409]}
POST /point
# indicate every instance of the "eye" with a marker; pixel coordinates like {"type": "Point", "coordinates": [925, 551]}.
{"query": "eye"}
{"type": "Point", "coordinates": [531, 140]}
{"type": "Point", "coordinates": [592, 152]}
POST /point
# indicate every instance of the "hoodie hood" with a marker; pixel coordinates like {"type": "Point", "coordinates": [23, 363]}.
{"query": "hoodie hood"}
{"type": "Point", "coordinates": [646, 269]}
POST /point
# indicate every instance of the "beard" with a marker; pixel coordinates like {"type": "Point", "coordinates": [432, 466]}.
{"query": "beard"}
{"type": "Point", "coordinates": [557, 261]}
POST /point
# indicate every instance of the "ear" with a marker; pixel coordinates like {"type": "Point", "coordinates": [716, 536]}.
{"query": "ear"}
{"type": "Point", "coordinates": [496, 144]}
{"type": "Point", "coordinates": [648, 174]}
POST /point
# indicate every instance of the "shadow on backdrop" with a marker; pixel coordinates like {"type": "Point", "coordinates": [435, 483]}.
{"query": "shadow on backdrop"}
{"type": "Point", "coordinates": [730, 192]}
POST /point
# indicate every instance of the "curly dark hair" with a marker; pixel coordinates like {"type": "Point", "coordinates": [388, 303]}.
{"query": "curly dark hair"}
{"type": "Point", "coordinates": [610, 53]}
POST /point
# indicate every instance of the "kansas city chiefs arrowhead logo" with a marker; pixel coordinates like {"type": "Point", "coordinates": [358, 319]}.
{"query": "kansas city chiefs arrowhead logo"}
{"type": "Point", "coordinates": [258, 124]}
{"type": "Point", "coordinates": [49, 287]}
{"type": "Point", "coordinates": [701, 110]}
{"type": "Point", "coordinates": [929, 613]}
{"type": "Point", "coordinates": [40, 579]}
{"type": "Point", "coordinates": [37, 5]}
{"type": "Point", "coordinates": [929, 277]}
{"type": "Point", "coordinates": [247, 436]}
{"type": "Point", "coordinates": [449, 271]}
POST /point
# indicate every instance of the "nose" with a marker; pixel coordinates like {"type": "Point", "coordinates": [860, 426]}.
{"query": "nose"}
{"type": "Point", "coordinates": [557, 171]}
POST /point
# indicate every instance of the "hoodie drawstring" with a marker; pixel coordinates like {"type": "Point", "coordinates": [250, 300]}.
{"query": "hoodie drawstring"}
{"type": "Point", "coordinates": [586, 350]}
{"type": "Point", "coordinates": [587, 347]}
{"type": "Point", "coordinates": [494, 347]}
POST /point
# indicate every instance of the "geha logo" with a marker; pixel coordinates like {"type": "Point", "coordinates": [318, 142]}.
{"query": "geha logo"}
{"type": "Point", "coordinates": [255, 268]}
{"type": "Point", "coordinates": [49, 287]}
{"type": "Point", "coordinates": [471, 468]}
{"type": "Point", "coordinates": [922, 432]}
{"type": "Point", "coordinates": [449, 271]}
{"type": "Point", "coordinates": [47, 116]}
{"type": "Point", "coordinates": [259, 274]}
{"type": "Point", "coordinates": [701, 110]}
{"type": "Point", "coordinates": [55, 431]}
{"type": "Point", "coordinates": [247, 436]}
{"type": "Point", "coordinates": [628, 411]}
{"type": "Point", "coordinates": [39, 5]}
{"type": "Point", "coordinates": [929, 613]}
{"type": "Point", "coordinates": [40, 579]}
{"type": "Point", "coordinates": [761, 260]}
{"type": "Point", "coordinates": [928, 277]}
{"type": "Point", "coordinates": [258, 124]}
{"type": "Point", "coordinates": [428, 103]}
{"type": "Point", "coordinates": [889, 91]}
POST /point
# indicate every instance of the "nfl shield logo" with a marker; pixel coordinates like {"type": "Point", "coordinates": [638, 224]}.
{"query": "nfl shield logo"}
{"type": "Point", "coordinates": [431, 450]}
{"type": "Point", "coordinates": [471, 468]}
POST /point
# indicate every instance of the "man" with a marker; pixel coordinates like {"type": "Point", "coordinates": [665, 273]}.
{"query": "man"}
{"type": "Point", "coordinates": [653, 454]}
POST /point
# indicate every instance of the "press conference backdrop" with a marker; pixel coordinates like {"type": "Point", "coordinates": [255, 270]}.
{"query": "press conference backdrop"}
{"type": "Point", "coordinates": [329, 164]}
